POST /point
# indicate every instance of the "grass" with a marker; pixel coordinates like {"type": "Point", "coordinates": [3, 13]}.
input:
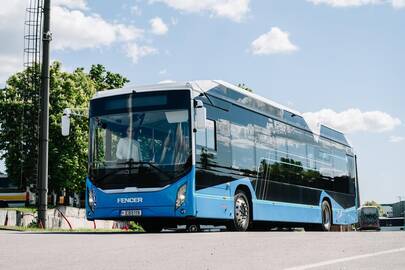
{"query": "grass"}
{"type": "Point", "coordinates": [33, 229]}
{"type": "Point", "coordinates": [133, 226]}
{"type": "Point", "coordinates": [30, 210]}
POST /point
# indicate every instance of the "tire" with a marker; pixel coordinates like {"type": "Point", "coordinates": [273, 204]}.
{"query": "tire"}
{"type": "Point", "coordinates": [326, 212]}
{"type": "Point", "coordinates": [193, 228]}
{"type": "Point", "coordinates": [242, 212]}
{"type": "Point", "coordinates": [152, 227]}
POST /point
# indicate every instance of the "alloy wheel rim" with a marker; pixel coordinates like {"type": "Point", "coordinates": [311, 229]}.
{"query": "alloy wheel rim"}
{"type": "Point", "coordinates": [241, 212]}
{"type": "Point", "coordinates": [326, 218]}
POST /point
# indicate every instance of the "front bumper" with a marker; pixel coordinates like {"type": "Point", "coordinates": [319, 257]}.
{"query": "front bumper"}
{"type": "Point", "coordinates": [152, 204]}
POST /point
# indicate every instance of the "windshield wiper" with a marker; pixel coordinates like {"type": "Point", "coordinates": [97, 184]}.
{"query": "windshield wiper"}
{"type": "Point", "coordinates": [150, 164]}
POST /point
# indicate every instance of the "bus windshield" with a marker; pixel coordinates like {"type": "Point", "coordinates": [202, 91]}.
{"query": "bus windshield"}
{"type": "Point", "coordinates": [140, 147]}
{"type": "Point", "coordinates": [370, 211]}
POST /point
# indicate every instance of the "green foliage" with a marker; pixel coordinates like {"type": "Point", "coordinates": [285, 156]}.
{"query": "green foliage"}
{"type": "Point", "coordinates": [135, 227]}
{"type": "Point", "coordinates": [19, 104]}
{"type": "Point", "coordinates": [245, 87]}
{"type": "Point", "coordinates": [104, 79]}
{"type": "Point", "coordinates": [19, 124]}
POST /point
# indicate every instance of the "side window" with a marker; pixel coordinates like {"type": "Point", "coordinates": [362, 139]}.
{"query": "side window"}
{"type": "Point", "coordinates": [242, 144]}
{"type": "Point", "coordinates": [211, 135]}
{"type": "Point", "coordinates": [352, 174]}
{"type": "Point", "coordinates": [207, 137]}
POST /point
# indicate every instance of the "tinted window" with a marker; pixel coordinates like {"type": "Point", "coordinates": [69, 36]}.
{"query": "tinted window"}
{"type": "Point", "coordinates": [334, 135]}
{"type": "Point", "coordinates": [295, 120]}
{"type": "Point", "coordinates": [248, 101]}
{"type": "Point", "coordinates": [265, 143]}
{"type": "Point", "coordinates": [140, 102]}
{"type": "Point", "coordinates": [243, 157]}
{"type": "Point", "coordinates": [223, 143]}
{"type": "Point", "coordinates": [351, 174]}
{"type": "Point", "coordinates": [206, 137]}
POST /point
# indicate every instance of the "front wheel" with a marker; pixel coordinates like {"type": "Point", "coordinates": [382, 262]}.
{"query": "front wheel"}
{"type": "Point", "coordinates": [242, 210]}
{"type": "Point", "coordinates": [326, 216]}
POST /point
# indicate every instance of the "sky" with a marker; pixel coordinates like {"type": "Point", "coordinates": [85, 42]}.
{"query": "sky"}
{"type": "Point", "coordinates": [341, 62]}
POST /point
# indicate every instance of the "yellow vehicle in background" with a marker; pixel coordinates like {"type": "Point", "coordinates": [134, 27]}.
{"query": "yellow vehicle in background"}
{"type": "Point", "coordinates": [10, 194]}
{"type": "Point", "coordinates": [369, 218]}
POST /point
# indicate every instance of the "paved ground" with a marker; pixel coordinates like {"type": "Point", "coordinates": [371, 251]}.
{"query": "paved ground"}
{"type": "Point", "coordinates": [223, 250]}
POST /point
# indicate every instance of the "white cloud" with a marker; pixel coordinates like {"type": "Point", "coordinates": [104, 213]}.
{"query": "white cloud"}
{"type": "Point", "coordinates": [73, 4]}
{"type": "Point", "coordinates": [166, 81]}
{"type": "Point", "coordinates": [397, 139]}
{"type": "Point", "coordinates": [273, 42]}
{"type": "Point", "coordinates": [398, 3]}
{"type": "Point", "coordinates": [135, 10]}
{"type": "Point", "coordinates": [345, 3]}
{"type": "Point", "coordinates": [9, 64]}
{"type": "Point", "coordinates": [158, 27]}
{"type": "Point", "coordinates": [134, 51]}
{"type": "Point", "coordinates": [75, 30]}
{"type": "Point", "coordinates": [358, 3]}
{"type": "Point", "coordinates": [353, 120]}
{"type": "Point", "coordinates": [74, 27]}
{"type": "Point", "coordinates": [12, 30]}
{"type": "Point", "coordinates": [235, 10]}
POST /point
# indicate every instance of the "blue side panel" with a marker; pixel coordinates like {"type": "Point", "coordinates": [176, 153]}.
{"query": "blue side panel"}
{"type": "Point", "coordinates": [340, 215]}
{"type": "Point", "coordinates": [289, 212]}
{"type": "Point", "coordinates": [217, 202]}
{"type": "Point", "coordinates": [285, 212]}
{"type": "Point", "coordinates": [214, 202]}
{"type": "Point", "coordinates": [153, 204]}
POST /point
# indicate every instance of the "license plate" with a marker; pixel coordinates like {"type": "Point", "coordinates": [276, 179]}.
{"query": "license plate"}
{"type": "Point", "coordinates": [131, 213]}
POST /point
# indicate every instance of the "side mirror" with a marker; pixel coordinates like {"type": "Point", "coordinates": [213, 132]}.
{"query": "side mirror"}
{"type": "Point", "coordinates": [66, 122]}
{"type": "Point", "coordinates": [200, 115]}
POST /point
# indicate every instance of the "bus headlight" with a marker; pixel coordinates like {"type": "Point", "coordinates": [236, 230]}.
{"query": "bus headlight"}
{"type": "Point", "coordinates": [91, 199]}
{"type": "Point", "coordinates": [181, 196]}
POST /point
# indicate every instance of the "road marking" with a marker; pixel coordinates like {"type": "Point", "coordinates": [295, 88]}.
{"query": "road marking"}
{"type": "Point", "coordinates": [358, 257]}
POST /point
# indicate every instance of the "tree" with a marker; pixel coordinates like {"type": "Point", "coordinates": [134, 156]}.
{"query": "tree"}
{"type": "Point", "coordinates": [19, 129]}
{"type": "Point", "coordinates": [104, 79]}
{"type": "Point", "coordinates": [19, 104]}
{"type": "Point", "coordinates": [245, 87]}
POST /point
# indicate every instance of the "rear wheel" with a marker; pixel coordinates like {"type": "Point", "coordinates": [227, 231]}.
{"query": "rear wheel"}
{"type": "Point", "coordinates": [152, 227]}
{"type": "Point", "coordinates": [242, 210]}
{"type": "Point", "coordinates": [326, 216]}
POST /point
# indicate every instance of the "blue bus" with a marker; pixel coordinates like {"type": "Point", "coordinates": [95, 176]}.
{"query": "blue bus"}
{"type": "Point", "coordinates": [209, 152]}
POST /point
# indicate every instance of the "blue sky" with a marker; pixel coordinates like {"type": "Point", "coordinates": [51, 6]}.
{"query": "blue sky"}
{"type": "Point", "coordinates": [341, 60]}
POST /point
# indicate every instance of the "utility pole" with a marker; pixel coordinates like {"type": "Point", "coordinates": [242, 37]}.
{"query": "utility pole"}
{"type": "Point", "coordinates": [44, 117]}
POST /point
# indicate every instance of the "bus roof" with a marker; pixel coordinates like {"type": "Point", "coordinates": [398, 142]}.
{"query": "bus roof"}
{"type": "Point", "coordinates": [205, 86]}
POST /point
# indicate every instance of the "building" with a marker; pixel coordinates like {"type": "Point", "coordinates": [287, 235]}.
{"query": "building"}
{"type": "Point", "coordinates": [398, 209]}
{"type": "Point", "coordinates": [387, 210]}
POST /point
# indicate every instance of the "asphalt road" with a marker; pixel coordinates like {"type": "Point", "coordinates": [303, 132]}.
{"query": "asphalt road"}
{"type": "Point", "coordinates": [213, 250]}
